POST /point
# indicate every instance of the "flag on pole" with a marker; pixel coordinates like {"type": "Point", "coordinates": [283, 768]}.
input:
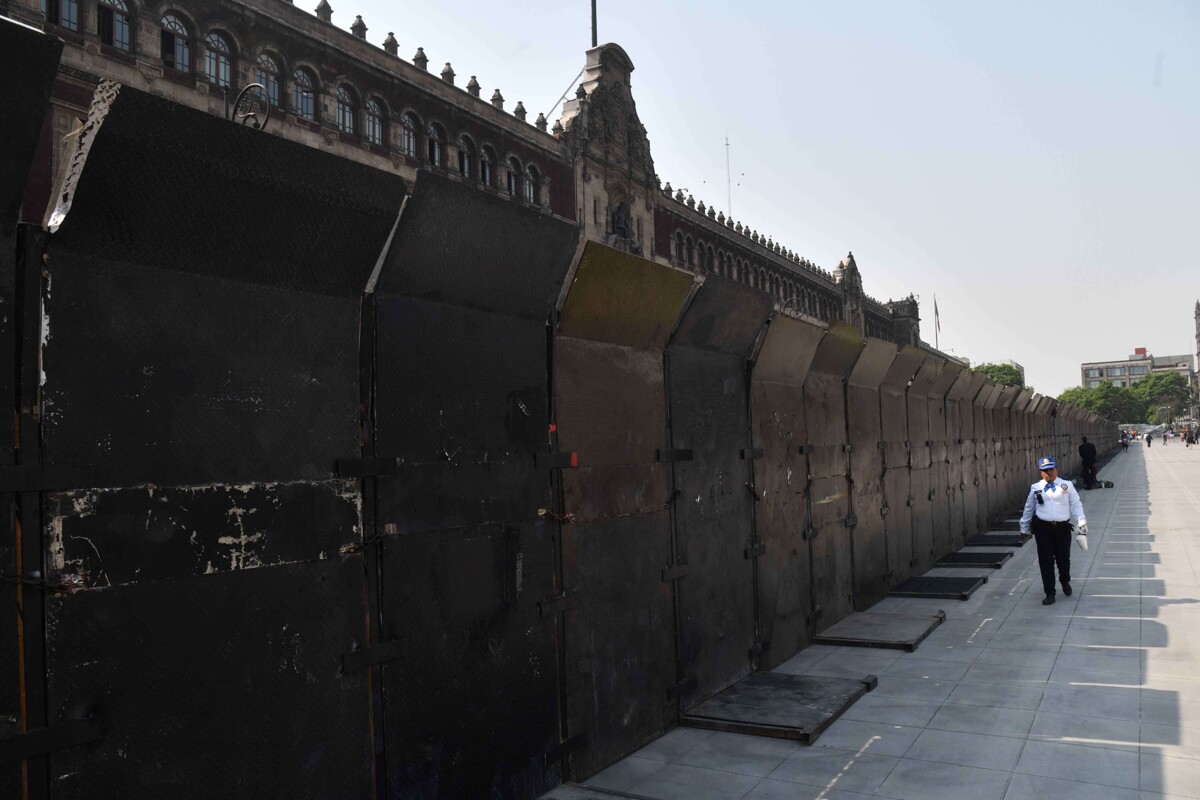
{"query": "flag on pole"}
{"type": "Point", "coordinates": [937, 321]}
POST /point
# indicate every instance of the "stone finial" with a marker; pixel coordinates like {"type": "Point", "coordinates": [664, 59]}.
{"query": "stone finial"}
{"type": "Point", "coordinates": [712, 213]}
{"type": "Point", "coordinates": [324, 11]}
{"type": "Point", "coordinates": [519, 111]}
{"type": "Point", "coordinates": [541, 122]}
{"type": "Point", "coordinates": [473, 87]}
{"type": "Point", "coordinates": [729, 222]}
{"type": "Point", "coordinates": [691, 201]}
{"type": "Point", "coordinates": [580, 93]}
{"type": "Point", "coordinates": [679, 195]}
{"type": "Point", "coordinates": [700, 207]}
{"type": "Point", "coordinates": [738, 227]}
{"type": "Point", "coordinates": [420, 59]}
{"type": "Point", "coordinates": [558, 128]}
{"type": "Point", "coordinates": [498, 100]}
{"type": "Point", "coordinates": [667, 189]}
{"type": "Point", "coordinates": [721, 218]}
{"type": "Point", "coordinates": [770, 244]}
{"type": "Point", "coordinates": [358, 27]}
{"type": "Point", "coordinates": [448, 73]}
{"type": "Point", "coordinates": [390, 45]}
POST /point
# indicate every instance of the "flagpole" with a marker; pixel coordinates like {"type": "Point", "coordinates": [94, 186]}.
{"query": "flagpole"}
{"type": "Point", "coordinates": [937, 326]}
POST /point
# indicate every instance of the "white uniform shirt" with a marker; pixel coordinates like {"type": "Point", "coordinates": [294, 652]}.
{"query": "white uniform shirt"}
{"type": "Point", "coordinates": [1060, 503]}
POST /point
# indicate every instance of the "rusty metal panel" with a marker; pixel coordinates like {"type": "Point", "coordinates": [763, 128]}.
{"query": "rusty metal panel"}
{"type": "Point", "coordinates": [508, 259]}
{"type": "Point", "coordinates": [724, 315]}
{"type": "Point", "coordinates": [241, 668]}
{"type": "Point", "coordinates": [712, 517]}
{"type": "Point", "coordinates": [621, 299]}
{"type": "Point", "coordinates": [869, 533]}
{"type": "Point", "coordinates": [780, 480]}
{"type": "Point", "coordinates": [784, 571]}
{"type": "Point", "coordinates": [921, 501]}
{"type": "Point", "coordinates": [620, 636]}
{"type": "Point", "coordinates": [787, 352]}
{"type": "Point", "coordinates": [984, 457]}
{"type": "Point", "coordinates": [893, 407]}
{"type": "Point", "coordinates": [471, 709]}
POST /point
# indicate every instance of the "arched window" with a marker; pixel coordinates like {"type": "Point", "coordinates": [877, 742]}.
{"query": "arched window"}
{"type": "Point", "coordinates": [435, 141]}
{"type": "Point", "coordinates": [710, 259]}
{"type": "Point", "coordinates": [678, 246]}
{"type": "Point", "coordinates": [689, 253]}
{"type": "Point", "coordinates": [347, 109]}
{"type": "Point", "coordinates": [218, 60]}
{"type": "Point", "coordinates": [266, 72]}
{"type": "Point", "coordinates": [376, 131]}
{"type": "Point", "coordinates": [512, 177]}
{"type": "Point", "coordinates": [304, 94]}
{"type": "Point", "coordinates": [176, 44]}
{"type": "Point", "coordinates": [487, 167]}
{"type": "Point", "coordinates": [112, 23]}
{"type": "Point", "coordinates": [64, 13]}
{"type": "Point", "coordinates": [533, 185]}
{"type": "Point", "coordinates": [466, 157]}
{"type": "Point", "coordinates": [408, 135]}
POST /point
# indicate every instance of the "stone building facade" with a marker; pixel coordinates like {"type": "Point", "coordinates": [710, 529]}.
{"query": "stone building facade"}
{"type": "Point", "coordinates": [333, 89]}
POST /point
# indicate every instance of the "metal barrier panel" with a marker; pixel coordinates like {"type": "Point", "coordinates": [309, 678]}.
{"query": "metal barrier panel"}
{"type": "Point", "coordinates": [618, 559]}
{"type": "Point", "coordinates": [970, 458]}
{"type": "Point", "coordinates": [1008, 475]}
{"type": "Point", "coordinates": [830, 519]}
{"type": "Point", "coordinates": [30, 59]}
{"type": "Point", "coordinates": [893, 418]}
{"type": "Point", "coordinates": [469, 578]}
{"type": "Point", "coordinates": [983, 455]}
{"type": "Point", "coordinates": [920, 476]}
{"type": "Point", "coordinates": [780, 480]}
{"type": "Point", "coordinates": [869, 534]}
{"type": "Point", "coordinates": [707, 382]}
{"type": "Point", "coordinates": [210, 559]}
{"type": "Point", "coordinates": [959, 460]}
{"type": "Point", "coordinates": [943, 495]}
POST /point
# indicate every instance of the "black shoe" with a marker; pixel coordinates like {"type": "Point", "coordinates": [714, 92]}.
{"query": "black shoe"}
{"type": "Point", "coordinates": [1067, 589]}
{"type": "Point", "coordinates": [1049, 601]}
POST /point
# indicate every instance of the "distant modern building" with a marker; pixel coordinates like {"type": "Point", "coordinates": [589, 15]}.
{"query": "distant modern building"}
{"type": "Point", "coordinates": [1132, 369]}
{"type": "Point", "coordinates": [1019, 368]}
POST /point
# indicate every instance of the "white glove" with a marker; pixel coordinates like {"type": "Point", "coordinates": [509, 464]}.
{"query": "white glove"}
{"type": "Point", "coordinates": [1081, 540]}
{"type": "Point", "coordinates": [1082, 529]}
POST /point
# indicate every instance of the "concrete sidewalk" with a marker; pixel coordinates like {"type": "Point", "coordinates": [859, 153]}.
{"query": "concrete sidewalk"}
{"type": "Point", "coordinates": [1097, 696]}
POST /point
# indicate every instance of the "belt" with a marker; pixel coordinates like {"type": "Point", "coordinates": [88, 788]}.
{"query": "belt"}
{"type": "Point", "coordinates": [1053, 521]}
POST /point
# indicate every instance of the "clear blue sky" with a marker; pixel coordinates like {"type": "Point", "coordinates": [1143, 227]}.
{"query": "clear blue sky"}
{"type": "Point", "coordinates": [1034, 164]}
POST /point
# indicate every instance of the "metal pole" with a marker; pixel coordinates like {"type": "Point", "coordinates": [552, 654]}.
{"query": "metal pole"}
{"type": "Point", "coordinates": [728, 193]}
{"type": "Point", "coordinates": [595, 41]}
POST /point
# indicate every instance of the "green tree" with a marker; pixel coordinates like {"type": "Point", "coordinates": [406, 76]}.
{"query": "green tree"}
{"type": "Point", "coordinates": [1164, 394]}
{"type": "Point", "coordinates": [1003, 374]}
{"type": "Point", "coordinates": [1117, 403]}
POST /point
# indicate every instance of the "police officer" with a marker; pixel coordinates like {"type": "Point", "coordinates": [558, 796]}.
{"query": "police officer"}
{"type": "Point", "coordinates": [1048, 511]}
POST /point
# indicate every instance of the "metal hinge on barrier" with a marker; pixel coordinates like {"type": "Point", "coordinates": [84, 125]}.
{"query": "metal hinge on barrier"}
{"type": "Point", "coordinates": [812, 618]}
{"type": "Point", "coordinates": [663, 456]}
{"type": "Point", "coordinates": [809, 532]}
{"type": "Point", "coordinates": [910, 501]}
{"type": "Point", "coordinates": [851, 520]}
{"type": "Point", "coordinates": [44, 741]}
{"type": "Point", "coordinates": [883, 511]}
{"type": "Point", "coordinates": [932, 493]}
{"type": "Point", "coordinates": [805, 448]}
{"type": "Point", "coordinates": [570, 744]}
{"type": "Point", "coordinates": [683, 687]}
{"type": "Point", "coordinates": [759, 648]}
{"type": "Point", "coordinates": [754, 550]}
{"type": "Point", "coordinates": [674, 573]}
{"type": "Point", "coordinates": [381, 653]}
{"type": "Point", "coordinates": [752, 453]}
{"type": "Point", "coordinates": [554, 605]}
{"type": "Point", "coordinates": [567, 460]}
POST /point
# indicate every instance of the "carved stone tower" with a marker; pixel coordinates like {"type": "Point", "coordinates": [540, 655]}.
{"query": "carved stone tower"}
{"type": "Point", "coordinates": [614, 173]}
{"type": "Point", "coordinates": [906, 316]}
{"type": "Point", "coordinates": [847, 276]}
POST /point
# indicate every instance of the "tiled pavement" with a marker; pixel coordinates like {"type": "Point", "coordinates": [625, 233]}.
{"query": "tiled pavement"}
{"type": "Point", "coordinates": [1097, 696]}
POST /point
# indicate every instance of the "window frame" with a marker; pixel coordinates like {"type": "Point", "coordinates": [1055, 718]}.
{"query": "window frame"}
{"type": "Point", "coordinates": [220, 66]}
{"type": "Point", "coordinates": [114, 12]}
{"type": "Point", "coordinates": [271, 79]}
{"type": "Point", "coordinates": [304, 93]}
{"type": "Point", "coordinates": [180, 36]}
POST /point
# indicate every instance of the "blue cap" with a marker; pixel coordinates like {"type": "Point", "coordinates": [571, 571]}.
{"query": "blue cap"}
{"type": "Point", "coordinates": [1047, 462]}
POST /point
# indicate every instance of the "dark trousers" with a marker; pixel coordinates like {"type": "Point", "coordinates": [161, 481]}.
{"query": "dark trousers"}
{"type": "Point", "coordinates": [1053, 544]}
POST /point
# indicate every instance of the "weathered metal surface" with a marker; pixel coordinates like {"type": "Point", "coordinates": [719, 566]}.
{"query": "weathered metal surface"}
{"type": "Point", "coordinates": [724, 315]}
{"type": "Point", "coordinates": [33, 56]}
{"type": "Point", "coordinates": [886, 631]}
{"type": "Point", "coordinates": [869, 534]}
{"type": "Point", "coordinates": [780, 480]}
{"type": "Point", "coordinates": [240, 669]}
{"type": "Point", "coordinates": [472, 709]}
{"type": "Point", "coordinates": [797, 707]}
{"type": "Point", "coordinates": [893, 416]}
{"type": "Point", "coordinates": [973, 558]}
{"type": "Point", "coordinates": [713, 517]}
{"type": "Point", "coordinates": [620, 654]}
{"type": "Point", "coordinates": [621, 299]}
{"type": "Point", "coordinates": [939, 587]}
{"type": "Point", "coordinates": [997, 540]}
{"type": "Point", "coordinates": [921, 477]}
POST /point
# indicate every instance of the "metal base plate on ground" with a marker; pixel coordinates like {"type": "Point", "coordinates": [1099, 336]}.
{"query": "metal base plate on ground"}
{"type": "Point", "coordinates": [964, 559]}
{"type": "Point", "coordinates": [890, 631]}
{"type": "Point", "coordinates": [1008, 525]}
{"type": "Point", "coordinates": [939, 587]}
{"type": "Point", "coordinates": [796, 707]}
{"type": "Point", "coordinates": [999, 540]}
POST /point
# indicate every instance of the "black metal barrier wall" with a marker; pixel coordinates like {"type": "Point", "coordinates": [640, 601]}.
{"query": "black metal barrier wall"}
{"type": "Point", "coordinates": [318, 483]}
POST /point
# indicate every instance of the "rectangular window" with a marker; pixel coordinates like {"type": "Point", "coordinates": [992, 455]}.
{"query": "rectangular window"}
{"type": "Point", "coordinates": [1139, 370]}
{"type": "Point", "coordinates": [1118, 383]}
{"type": "Point", "coordinates": [1115, 371]}
{"type": "Point", "coordinates": [1094, 373]}
{"type": "Point", "coordinates": [1093, 384]}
